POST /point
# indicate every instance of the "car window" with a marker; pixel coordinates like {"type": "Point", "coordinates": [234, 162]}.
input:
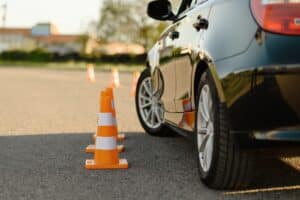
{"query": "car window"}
{"type": "Point", "coordinates": [185, 5]}
{"type": "Point", "coordinates": [197, 2]}
{"type": "Point", "coordinates": [175, 5]}
{"type": "Point", "coordinates": [179, 6]}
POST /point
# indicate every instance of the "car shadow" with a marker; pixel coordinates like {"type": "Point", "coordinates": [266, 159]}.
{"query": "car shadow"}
{"type": "Point", "coordinates": [274, 172]}
{"type": "Point", "coordinates": [269, 171]}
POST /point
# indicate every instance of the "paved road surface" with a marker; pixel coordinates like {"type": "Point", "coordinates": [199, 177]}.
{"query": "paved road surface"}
{"type": "Point", "coordinates": [47, 118]}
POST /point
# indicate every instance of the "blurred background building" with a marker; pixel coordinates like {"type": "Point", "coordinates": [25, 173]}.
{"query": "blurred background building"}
{"type": "Point", "coordinates": [41, 36]}
{"type": "Point", "coordinates": [47, 37]}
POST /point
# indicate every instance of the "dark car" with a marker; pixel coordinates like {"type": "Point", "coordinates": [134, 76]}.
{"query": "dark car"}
{"type": "Point", "coordinates": [226, 72]}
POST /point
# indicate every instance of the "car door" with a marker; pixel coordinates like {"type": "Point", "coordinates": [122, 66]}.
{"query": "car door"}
{"type": "Point", "coordinates": [187, 46]}
{"type": "Point", "coordinates": [167, 63]}
{"type": "Point", "coordinates": [166, 70]}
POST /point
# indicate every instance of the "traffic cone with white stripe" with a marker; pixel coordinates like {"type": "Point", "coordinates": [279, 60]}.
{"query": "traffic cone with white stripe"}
{"type": "Point", "coordinates": [115, 78]}
{"type": "Point", "coordinates": [90, 74]}
{"type": "Point", "coordinates": [106, 153]}
{"type": "Point", "coordinates": [91, 148]}
{"type": "Point", "coordinates": [110, 93]}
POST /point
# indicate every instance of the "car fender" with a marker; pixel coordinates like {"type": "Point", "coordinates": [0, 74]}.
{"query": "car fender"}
{"type": "Point", "coordinates": [153, 57]}
{"type": "Point", "coordinates": [204, 57]}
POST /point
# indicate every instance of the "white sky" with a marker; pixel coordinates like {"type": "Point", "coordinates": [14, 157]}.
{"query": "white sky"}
{"type": "Point", "coordinates": [70, 16]}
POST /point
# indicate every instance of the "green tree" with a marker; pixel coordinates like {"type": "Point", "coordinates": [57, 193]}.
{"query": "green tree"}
{"type": "Point", "coordinates": [83, 39]}
{"type": "Point", "coordinates": [127, 21]}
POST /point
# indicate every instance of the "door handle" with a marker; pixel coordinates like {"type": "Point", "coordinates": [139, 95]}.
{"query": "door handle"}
{"type": "Point", "coordinates": [201, 23]}
{"type": "Point", "coordinates": [174, 35]}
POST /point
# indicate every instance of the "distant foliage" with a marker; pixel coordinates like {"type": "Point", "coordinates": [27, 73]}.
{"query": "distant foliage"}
{"type": "Point", "coordinates": [18, 55]}
{"type": "Point", "coordinates": [42, 56]}
{"type": "Point", "coordinates": [127, 21]}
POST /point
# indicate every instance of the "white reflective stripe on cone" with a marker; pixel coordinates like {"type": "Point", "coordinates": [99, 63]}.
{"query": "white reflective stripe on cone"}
{"type": "Point", "coordinates": [187, 107]}
{"type": "Point", "coordinates": [106, 119]}
{"type": "Point", "coordinates": [106, 143]}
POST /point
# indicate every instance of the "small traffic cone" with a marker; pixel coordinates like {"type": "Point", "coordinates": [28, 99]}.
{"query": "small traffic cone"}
{"type": "Point", "coordinates": [91, 148]}
{"type": "Point", "coordinates": [90, 75]}
{"type": "Point", "coordinates": [115, 78]}
{"type": "Point", "coordinates": [188, 118]}
{"type": "Point", "coordinates": [136, 76]}
{"type": "Point", "coordinates": [106, 153]}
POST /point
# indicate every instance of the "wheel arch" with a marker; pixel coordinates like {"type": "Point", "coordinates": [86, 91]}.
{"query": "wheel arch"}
{"type": "Point", "coordinates": [200, 69]}
{"type": "Point", "coordinates": [148, 64]}
{"type": "Point", "coordinates": [203, 64]}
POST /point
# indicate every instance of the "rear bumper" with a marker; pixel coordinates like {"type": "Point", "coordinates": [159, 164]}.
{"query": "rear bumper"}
{"type": "Point", "coordinates": [280, 142]}
{"type": "Point", "coordinates": [263, 99]}
{"type": "Point", "coordinates": [287, 134]}
{"type": "Point", "coordinates": [262, 85]}
{"type": "Point", "coordinates": [290, 134]}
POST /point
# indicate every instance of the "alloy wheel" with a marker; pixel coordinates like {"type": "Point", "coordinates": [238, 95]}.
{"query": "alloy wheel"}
{"type": "Point", "coordinates": [149, 105]}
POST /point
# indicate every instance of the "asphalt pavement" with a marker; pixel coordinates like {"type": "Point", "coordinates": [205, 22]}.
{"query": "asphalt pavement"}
{"type": "Point", "coordinates": [47, 118]}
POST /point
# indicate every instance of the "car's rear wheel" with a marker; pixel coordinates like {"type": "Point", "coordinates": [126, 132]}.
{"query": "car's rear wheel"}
{"type": "Point", "coordinates": [222, 163]}
{"type": "Point", "coordinates": [149, 107]}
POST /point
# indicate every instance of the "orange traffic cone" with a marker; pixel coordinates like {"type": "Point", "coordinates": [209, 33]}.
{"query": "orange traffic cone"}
{"type": "Point", "coordinates": [115, 78]}
{"type": "Point", "coordinates": [90, 73]}
{"type": "Point", "coordinates": [136, 76]}
{"type": "Point", "coordinates": [91, 148]}
{"type": "Point", "coordinates": [188, 118]}
{"type": "Point", "coordinates": [110, 93]}
{"type": "Point", "coordinates": [106, 154]}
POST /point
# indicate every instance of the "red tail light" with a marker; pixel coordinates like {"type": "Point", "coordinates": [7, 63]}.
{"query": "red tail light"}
{"type": "Point", "coordinates": [278, 16]}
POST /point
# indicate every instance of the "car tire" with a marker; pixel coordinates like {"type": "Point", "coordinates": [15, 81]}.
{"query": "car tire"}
{"type": "Point", "coordinates": [160, 129]}
{"type": "Point", "coordinates": [230, 166]}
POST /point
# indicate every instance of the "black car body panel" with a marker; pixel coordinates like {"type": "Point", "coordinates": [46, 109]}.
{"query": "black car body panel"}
{"type": "Point", "coordinates": [266, 87]}
{"type": "Point", "coordinates": [257, 73]}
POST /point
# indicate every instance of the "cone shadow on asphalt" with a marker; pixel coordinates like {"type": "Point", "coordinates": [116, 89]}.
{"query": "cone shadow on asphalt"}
{"type": "Point", "coordinates": [156, 160]}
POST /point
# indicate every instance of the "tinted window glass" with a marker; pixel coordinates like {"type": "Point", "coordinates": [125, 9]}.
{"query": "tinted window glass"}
{"type": "Point", "coordinates": [195, 2]}
{"type": "Point", "coordinates": [175, 5]}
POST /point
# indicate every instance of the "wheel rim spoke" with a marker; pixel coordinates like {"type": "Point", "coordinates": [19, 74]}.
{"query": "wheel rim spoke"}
{"type": "Point", "coordinates": [204, 142]}
{"type": "Point", "coordinates": [146, 105]}
{"type": "Point", "coordinates": [157, 115]}
{"type": "Point", "coordinates": [152, 117]}
{"type": "Point", "coordinates": [147, 89]}
{"type": "Point", "coordinates": [205, 159]}
{"type": "Point", "coordinates": [202, 131]}
{"type": "Point", "coordinates": [143, 97]}
{"type": "Point", "coordinates": [209, 146]}
{"type": "Point", "coordinates": [204, 106]}
{"type": "Point", "coordinates": [149, 114]}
